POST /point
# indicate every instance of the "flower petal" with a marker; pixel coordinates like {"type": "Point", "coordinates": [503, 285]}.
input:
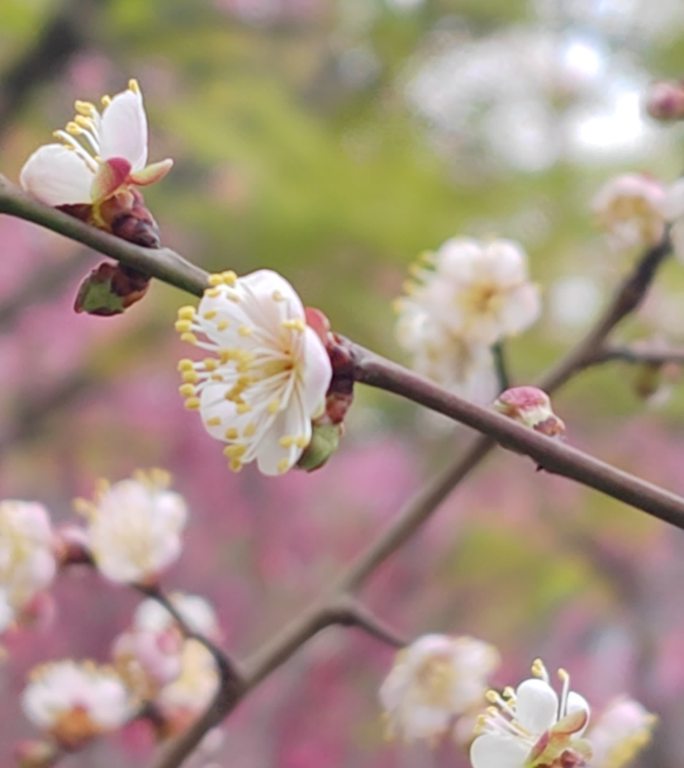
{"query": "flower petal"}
{"type": "Point", "coordinates": [56, 175]}
{"type": "Point", "coordinates": [272, 457]}
{"type": "Point", "coordinates": [123, 131]}
{"type": "Point", "coordinates": [537, 705]}
{"type": "Point", "coordinates": [152, 173]}
{"type": "Point", "coordinates": [494, 751]}
{"type": "Point", "coordinates": [317, 372]}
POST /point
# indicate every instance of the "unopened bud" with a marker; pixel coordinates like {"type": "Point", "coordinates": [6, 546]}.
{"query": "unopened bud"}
{"type": "Point", "coordinates": [665, 101]}
{"type": "Point", "coordinates": [531, 407]}
{"type": "Point", "coordinates": [110, 289]}
{"type": "Point", "coordinates": [325, 440]}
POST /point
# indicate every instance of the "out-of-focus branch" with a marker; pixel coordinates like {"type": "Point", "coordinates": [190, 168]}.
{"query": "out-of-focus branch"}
{"type": "Point", "coordinates": [45, 59]}
{"type": "Point", "coordinates": [638, 354]}
{"type": "Point", "coordinates": [555, 457]}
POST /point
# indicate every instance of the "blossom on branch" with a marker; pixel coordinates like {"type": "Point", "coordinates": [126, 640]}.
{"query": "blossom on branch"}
{"type": "Point", "coordinates": [434, 680]}
{"type": "Point", "coordinates": [149, 654]}
{"type": "Point", "coordinates": [75, 702]}
{"type": "Point", "coordinates": [184, 698]}
{"type": "Point", "coordinates": [465, 298]}
{"type": "Point", "coordinates": [100, 154]}
{"type": "Point", "coordinates": [269, 373]}
{"type": "Point", "coordinates": [134, 527]}
{"type": "Point", "coordinates": [630, 209]}
{"type": "Point", "coordinates": [623, 729]}
{"type": "Point", "coordinates": [532, 727]}
{"type": "Point", "coordinates": [462, 367]}
{"type": "Point", "coordinates": [27, 561]}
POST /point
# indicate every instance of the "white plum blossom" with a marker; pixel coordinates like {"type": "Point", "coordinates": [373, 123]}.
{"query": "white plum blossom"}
{"type": "Point", "coordinates": [181, 700]}
{"type": "Point", "coordinates": [620, 733]}
{"type": "Point", "coordinates": [269, 374]}
{"type": "Point", "coordinates": [75, 702]}
{"type": "Point", "coordinates": [134, 527]}
{"type": "Point", "coordinates": [27, 561]}
{"type": "Point", "coordinates": [149, 654]}
{"type": "Point", "coordinates": [631, 209]}
{"type": "Point", "coordinates": [533, 727]}
{"type": "Point", "coordinates": [479, 291]}
{"type": "Point", "coordinates": [467, 369]}
{"type": "Point", "coordinates": [99, 154]}
{"type": "Point", "coordinates": [433, 681]}
{"type": "Point", "coordinates": [465, 298]}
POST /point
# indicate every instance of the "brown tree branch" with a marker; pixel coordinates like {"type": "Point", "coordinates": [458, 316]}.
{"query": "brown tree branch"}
{"type": "Point", "coordinates": [556, 457]}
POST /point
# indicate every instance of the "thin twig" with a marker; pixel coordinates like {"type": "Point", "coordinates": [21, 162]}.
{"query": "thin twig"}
{"type": "Point", "coordinates": [229, 672]}
{"type": "Point", "coordinates": [638, 355]}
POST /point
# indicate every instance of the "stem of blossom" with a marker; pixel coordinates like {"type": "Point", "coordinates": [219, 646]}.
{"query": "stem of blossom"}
{"type": "Point", "coordinates": [499, 353]}
{"type": "Point", "coordinates": [162, 263]}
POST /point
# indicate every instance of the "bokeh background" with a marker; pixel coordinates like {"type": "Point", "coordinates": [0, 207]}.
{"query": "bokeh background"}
{"type": "Point", "coordinates": [333, 141]}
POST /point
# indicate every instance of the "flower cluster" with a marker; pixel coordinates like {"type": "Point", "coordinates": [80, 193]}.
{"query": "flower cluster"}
{"type": "Point", "coordinates": [75, 702]}
{"type": "Point", "coordinates": [269, 373]}
{"type": "Point", "coordinates": [434, 680]}
{"type": "Point", "coordinates": [27, 561]}
{"type": "Point", "coordinates": [533, 727]}
{"type": "Point", "coordinates": [464, 298]}
{"type": "Point", "coordinates": [134, 526]}
{"type": "Point", "coordinates": [149, 655]}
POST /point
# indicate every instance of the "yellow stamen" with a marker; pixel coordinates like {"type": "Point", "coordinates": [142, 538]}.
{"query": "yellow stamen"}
{"type": "Point", "coordinates": [222, 325]}
{"type": "Point", "coordinates": [186, 365]}
{"type": "Point", "coordinates": [189, 337]}
{"type": "Point", "coordinates": [242, 408]}
{"type": "Point", "coordinates": [187, 389]}
{"type": "Point", "coordinates": [133, 85]}
{"type": "Point", "coordinates": [214, 421]}
{"type": "Point", "coordinates": [283, 465]}
{"type": "Point", "coordinates": [245, 330]}
{"type": "Point", "coordinates": [295, 324]}
{"type": "Point", "coordinates": [190, 377]}
{"type": "Point", "coordinates": [186, 313]}
{"type": "Point", "coordinates": [232, 433]}
{"type": "Point", "coordinates": [84, 108]}
{"type": "Point", "coordinates": [210, 315]}
{"type": "Point", "coordinates": [183, 326]}
{"type": "Point", "coordinates": [106, 100]}
{"type": "Point", "coordinates": [192, 403]}
{"type": "Point", "coordinates": [273, 406]}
